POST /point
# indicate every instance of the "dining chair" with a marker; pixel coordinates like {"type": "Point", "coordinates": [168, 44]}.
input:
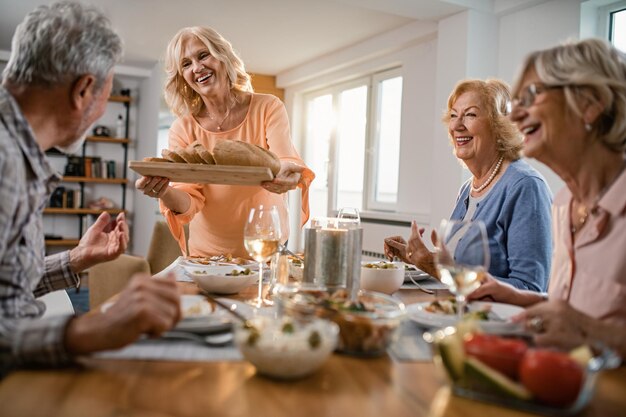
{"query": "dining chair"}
{"type": "Point", "coordinates": [109, 278]}
{"type": "Point", "coordinates": [57, 303]}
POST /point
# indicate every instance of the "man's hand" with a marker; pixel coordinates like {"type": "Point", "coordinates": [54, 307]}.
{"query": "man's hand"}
{"type": "Point", "coordinates": [103, 241]}
{"type": "Point", "coordinates": [147, 306]}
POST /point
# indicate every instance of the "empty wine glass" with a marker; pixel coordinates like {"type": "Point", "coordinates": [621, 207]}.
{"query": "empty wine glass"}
{"type": "Point", "coordinates": [349, 213]}
{"type": "Point", "coordinates": [462, 257]}
{"type": "Point", "coordinates": [261, 236]}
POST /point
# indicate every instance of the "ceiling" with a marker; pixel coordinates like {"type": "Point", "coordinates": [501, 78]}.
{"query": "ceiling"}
{"type": "Point", "coordinates": [270, 35]}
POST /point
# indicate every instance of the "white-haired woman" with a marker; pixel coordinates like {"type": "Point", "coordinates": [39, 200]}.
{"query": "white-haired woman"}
{"type": "Point", "coordinates": [210, 92]}
{"type": "Point", "coordinates": [570, 104]}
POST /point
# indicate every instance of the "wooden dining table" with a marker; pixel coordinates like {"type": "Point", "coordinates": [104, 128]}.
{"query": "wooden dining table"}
{"type": "Point", "coordinates": [343, 386]}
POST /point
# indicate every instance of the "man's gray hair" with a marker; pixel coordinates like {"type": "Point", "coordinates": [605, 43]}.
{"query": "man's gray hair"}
{"type": "Point", "coordinates": [61, 42]}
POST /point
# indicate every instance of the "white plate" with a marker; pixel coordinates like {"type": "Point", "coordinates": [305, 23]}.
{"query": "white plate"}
{"type": "Point", "coordinates": [199, 316]}
{"type": "Point", "coordinates": [418, 314]}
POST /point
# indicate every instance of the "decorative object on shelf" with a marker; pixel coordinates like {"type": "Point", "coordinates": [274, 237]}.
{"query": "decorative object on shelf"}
{"type": "Point", "coordinates": [102, 203]}
{"type": "Point", "coordinates": [119, 127]}
{"type": "Point", "coordinates": [75, 167]}
{"type": "Point", "coordinates": [100, 130]}
{"type": "Point", "coordinates": [84, 173]}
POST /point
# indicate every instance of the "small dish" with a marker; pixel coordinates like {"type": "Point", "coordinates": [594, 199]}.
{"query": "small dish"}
{"type": "Point", "coordinates": [385, 277]}
{"type": "Point", "coordinates": [285, 348]}
{"type": "Point", "coordinates": [223, 279]}
{"type": "Point", "coordinates": [413, 274]}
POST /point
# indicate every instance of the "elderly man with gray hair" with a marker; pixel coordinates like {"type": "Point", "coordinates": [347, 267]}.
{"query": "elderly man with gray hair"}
{"type": "Point", "coordinates": [55, 85]}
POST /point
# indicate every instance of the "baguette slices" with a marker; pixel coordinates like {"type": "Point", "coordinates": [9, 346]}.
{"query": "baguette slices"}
{"type": "Point", "coordinates": [225, 152]}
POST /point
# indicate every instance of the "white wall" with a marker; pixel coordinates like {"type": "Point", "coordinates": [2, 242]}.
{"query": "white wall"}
{"type": "Point", "coordinates": [474, 44]}
{"type": "Point", "coordinates": [538, 27]}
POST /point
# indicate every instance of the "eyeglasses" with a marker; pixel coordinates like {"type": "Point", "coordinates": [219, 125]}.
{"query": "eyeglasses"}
{"type": "Point", "coordinates": [527, 96]}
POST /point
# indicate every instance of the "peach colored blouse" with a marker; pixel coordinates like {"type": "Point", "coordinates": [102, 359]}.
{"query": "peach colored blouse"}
{"type": "Point", "coordinates": [218, 213]}
{"type": "Point", "coordinates": [590, 273]}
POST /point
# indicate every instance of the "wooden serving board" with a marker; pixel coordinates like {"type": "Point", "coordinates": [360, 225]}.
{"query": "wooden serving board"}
{"type": "Point", "coordinates": [203, 174]}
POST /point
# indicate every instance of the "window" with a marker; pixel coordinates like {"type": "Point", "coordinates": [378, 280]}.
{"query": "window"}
{"type": "Point", "coordinates": [352, 143]}
{"type": "Point", "coordinates": [617, 28]}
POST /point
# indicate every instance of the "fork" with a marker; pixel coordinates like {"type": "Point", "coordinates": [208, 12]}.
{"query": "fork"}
{"type": "Point", "coordinates": [283, 249]}
{"type": "Point", "coordinates": [419, 287]}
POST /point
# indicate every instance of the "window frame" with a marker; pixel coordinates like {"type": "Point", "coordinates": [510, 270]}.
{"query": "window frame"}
{"type": "Point", "coordinates": [372, 81]}
{"type": "Point", "coordinates": [604, 17]}
{"type": "Point", "coordinates": [373, 141]}
{"type": "Point", "coordinates": [333, 146]}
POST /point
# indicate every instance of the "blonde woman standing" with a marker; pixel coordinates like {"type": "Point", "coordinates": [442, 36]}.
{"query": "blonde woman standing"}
{"type": "Point", "coordinates": [210, 92]}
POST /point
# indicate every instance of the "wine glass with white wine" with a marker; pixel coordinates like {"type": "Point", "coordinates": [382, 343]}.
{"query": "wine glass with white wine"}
{"type": "Point", "coordinates": [462, 257]}
{"type": "Point", "coordinates": [261, 237]}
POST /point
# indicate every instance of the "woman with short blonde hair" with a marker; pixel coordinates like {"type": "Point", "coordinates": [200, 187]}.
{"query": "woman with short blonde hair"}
{"type": "Point", "coordinates": [506, 193]}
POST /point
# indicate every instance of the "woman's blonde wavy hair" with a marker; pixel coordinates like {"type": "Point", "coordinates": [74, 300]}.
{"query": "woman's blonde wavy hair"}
{"type": "Point", "coordinates": [592, 69]}
{"type": "Point", "coordinates": [181, 98]}
{"type": "Point", "coordinates": [494, 96]}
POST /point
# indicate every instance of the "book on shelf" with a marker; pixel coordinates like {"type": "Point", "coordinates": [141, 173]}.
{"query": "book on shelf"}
{"type": "Point", "coordinates": [88, 167]}
{"type": "Point", "coordinates": [57, 198]}
{"type": "Point", "coordinates": [67, 198]}
{"type": "Point", "coordinates": [111, 169]}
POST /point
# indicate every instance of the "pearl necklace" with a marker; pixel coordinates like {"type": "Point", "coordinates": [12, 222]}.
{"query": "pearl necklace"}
{"type": "Point", "coordinates": [491, 177]}
{"type": "Point", "coordinates": [219, 125]}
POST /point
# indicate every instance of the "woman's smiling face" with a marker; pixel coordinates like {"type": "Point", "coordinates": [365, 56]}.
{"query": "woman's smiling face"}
{"type": "Point", "coordinates": [470, 129]}
{"type": "Point", "coordinates": [203, 73]}
{"type": "Point", "coordinates": [547, 123]}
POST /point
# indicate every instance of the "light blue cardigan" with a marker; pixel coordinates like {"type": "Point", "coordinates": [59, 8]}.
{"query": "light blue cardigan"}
{"type": "Point", "coordinates": [516, 213]}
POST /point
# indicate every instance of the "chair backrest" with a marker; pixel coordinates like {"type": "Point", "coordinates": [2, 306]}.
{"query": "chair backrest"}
{"type": "Point", "coordinates": [163, 248]}
{"type": "Point", "coordinates": [109, 278]}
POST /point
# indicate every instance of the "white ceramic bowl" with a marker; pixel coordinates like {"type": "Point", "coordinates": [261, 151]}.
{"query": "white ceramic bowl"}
{"type": "Point", "coordinates": [386, 280]}
{"type": "Point", "coordinates": [286, 348]}
{"type": "Point", "coordinates": [215, 279]}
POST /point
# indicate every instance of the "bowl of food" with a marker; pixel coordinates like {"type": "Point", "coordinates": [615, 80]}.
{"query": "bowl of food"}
{"type": "Point", "coordinates": [510, 371]}
{"type": "Point", "coordinates": [367, 325]}
{"type": "Point", "coordinates": [296, 267]}
{"type": "Point", "coordinates": [226, 279]}
{"type": "Point", "coordinates": [286, 348]}
{"type": "Point", "coordinates": [381, 276]}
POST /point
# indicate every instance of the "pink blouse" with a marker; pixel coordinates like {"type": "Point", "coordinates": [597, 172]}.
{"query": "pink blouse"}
{"type": "Point", "coordinates": [590, 273]}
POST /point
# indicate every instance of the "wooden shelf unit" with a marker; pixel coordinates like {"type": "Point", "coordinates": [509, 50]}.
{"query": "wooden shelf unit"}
{"type": "Point", "coordinates": [122, 181]}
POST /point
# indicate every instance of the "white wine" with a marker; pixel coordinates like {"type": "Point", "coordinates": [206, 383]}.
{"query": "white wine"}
{"type": "Point", "coordinates": [261, 249]}
{"type": "Point", "coordinates": [461, 280]}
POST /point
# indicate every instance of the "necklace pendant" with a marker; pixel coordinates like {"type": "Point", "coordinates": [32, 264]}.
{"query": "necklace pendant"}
{"type": "Point", "coordinates": [219, 128]}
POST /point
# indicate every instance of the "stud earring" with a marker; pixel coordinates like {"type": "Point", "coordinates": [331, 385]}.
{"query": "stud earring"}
{"type": "Point", "coordinates": [588, 127]}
